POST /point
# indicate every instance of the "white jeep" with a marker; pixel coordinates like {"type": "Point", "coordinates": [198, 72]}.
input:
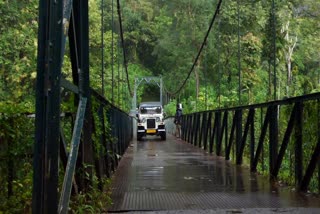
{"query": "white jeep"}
{"type": "Point", "coordinates": [150, 120]}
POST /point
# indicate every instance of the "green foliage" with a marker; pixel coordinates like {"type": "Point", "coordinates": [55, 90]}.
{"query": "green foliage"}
{"type": "Point", "coordinates": [18, 46]}
{"type": "Point", "coordinates": [170, 108]}
{"type": "Point", "coordinates": [18, 54]}
{"type": "Point", "coordinates": [93, 201]}
{"type": "Point", "coordinates": [98, 117]}
{"type": "Point", "coordinates": [20, 202]}
{"type": "Point", "coordinates": [16, 139]}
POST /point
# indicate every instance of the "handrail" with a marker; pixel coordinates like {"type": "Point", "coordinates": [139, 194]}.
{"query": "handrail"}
{"type": "Point", "coordinates": [238, 127]}
{"type": "Point", "coordinates": [286, 101]}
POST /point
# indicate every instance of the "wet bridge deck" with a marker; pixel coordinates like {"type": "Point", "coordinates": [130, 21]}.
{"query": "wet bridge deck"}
{"type": "Point", "coordinates": [174, 175]}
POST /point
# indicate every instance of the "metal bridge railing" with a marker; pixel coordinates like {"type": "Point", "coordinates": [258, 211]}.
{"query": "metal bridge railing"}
{"type": "Point", "coordinates": [112, 133]}
{"type": "Point", "coordinates": [279, 136]}
{"type": "Point", "coordinates": [111, 136]}
{"type": "Point", "coordinates": [100, 131]}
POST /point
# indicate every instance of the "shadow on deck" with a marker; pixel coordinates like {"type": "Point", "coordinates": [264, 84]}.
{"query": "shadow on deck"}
{"type": "Point", "coordinates": [156, 175]}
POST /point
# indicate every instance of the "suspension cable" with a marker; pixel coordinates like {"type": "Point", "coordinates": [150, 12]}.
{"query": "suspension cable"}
{"type": "Point", "coordinates": [123, 48]}
{"type": "Point", "coordinates": [112, 57]}
{"type": "Point", "coordinates": [118, 61]}
{"type": "Point", "coordinates": [274, 51]}
{"type": "Point", "coordinates": [201, 48]}
{"type": "Point", "coordinates": [102, 48]}
{"type": "Point", "coordinates": [239, 54]}
{"type": "Point", "coordinates": [219, 62]}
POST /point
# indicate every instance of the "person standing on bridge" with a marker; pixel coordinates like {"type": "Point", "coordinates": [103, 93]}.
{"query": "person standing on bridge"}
{"type": "Point", "coordinates": [178, 121]}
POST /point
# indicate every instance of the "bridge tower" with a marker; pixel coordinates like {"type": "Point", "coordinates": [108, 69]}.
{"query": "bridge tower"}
{"type": "Point", "coordinates": [147, 80]}
{"type": "Point", "coordinates": [137, 82]}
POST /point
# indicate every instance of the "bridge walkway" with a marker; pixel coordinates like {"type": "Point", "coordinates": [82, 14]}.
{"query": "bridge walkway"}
{"type": "Point", "coordinates": [155, 175]}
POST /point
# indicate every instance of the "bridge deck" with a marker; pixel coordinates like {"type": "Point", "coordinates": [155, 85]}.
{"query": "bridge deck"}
{"type": "Point", "coordinates": [174, 175]}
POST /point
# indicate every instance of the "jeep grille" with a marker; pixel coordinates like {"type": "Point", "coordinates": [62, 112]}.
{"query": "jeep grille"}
{"type": "Point", "coordinates": [151, 123]}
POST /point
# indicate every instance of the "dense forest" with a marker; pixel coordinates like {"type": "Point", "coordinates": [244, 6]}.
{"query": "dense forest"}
{"type": "Point", "coordinates": [256, 51]}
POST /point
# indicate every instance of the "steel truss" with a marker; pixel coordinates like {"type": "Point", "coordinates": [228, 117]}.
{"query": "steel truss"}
{"type": "Point", "coordinates": [58, 20]}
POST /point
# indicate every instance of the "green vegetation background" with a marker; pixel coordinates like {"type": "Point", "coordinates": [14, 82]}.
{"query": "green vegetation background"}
{"type": "Point", "coordinates": [161, 38]}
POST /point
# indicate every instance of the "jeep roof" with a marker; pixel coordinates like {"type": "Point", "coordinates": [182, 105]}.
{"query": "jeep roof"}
{"type": "Point", "coordinates": [144, 104]}
{"type": "Point", "coordinates": [150, 108]}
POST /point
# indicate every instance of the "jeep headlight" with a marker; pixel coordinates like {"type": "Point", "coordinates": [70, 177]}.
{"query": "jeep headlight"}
{"type": "Point", "coordinates": [143, 120]}
{"type": "Point", "coordinates": [158, 119]}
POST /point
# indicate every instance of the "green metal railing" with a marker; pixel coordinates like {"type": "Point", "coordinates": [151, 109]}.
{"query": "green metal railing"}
{"type": "Point", "coordinates": [279, 138]}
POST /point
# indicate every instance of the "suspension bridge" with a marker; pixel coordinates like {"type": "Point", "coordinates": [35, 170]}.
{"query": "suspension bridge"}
{"type": "Point", "coordinates": [227, 160]}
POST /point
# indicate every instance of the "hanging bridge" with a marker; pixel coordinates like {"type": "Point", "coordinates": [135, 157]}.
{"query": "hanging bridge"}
{"type": "Point", "coordinates": [228, 159]}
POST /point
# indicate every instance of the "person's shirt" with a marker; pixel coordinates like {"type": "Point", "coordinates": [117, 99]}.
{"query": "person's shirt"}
{"type": "Point", "coordinates": [178, 116]}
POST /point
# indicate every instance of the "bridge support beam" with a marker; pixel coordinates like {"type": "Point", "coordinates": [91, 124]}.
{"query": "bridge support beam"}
{"type": "Point", "coordinates": [46, 150]}
{"type": "Point", "coordinates": [54, 21]}
{"type": "Point", "coordinates": [79, 47]}
{"type": "Point", "coordinates": [273, 136]}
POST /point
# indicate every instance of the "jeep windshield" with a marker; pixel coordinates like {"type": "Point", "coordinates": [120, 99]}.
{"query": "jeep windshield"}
{"type": "Point", "coordinates": [150, 110]}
